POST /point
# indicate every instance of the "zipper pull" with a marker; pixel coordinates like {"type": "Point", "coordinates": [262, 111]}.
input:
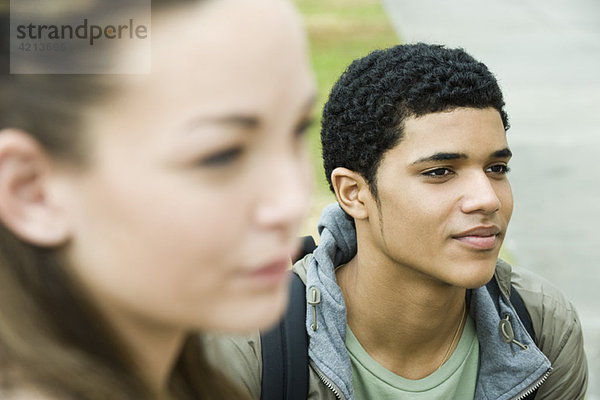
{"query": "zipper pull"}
{"type": "Point", "coordinates": [507, 333]}
{"type": "Point", "coordinates": [314, 298]}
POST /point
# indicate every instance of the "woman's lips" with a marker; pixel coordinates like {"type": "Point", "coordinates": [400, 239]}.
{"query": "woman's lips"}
{"type": "Point", "coordinates": [271, 273]}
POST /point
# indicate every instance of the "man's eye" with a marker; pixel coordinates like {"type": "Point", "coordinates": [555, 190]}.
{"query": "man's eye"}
{"type": "Point", "coordinates": [222, 158]}
{"type": "Point", "coordinates": [498, 169]}
{"type": "Point", "coordinates": [438, 172]}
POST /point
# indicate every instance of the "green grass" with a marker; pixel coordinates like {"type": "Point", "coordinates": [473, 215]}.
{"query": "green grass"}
{"type": "Point", "coordinates": [339, 32]}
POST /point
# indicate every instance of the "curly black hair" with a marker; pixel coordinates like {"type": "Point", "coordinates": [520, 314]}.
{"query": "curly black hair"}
{"type": "Point", "coordinates": [364, 115]}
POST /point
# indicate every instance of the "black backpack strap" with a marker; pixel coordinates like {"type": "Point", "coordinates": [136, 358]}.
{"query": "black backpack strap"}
{"type": "Point", "coordinates": [519, 305]}
{"type": "Point", "coordinates": [307, 246]}
{"type": "Point", "coordinates": [284, 351]}
{"type": "Point", "coordinates": [522, 312]}
{"type": "Point", "coordinates": [284, 348]}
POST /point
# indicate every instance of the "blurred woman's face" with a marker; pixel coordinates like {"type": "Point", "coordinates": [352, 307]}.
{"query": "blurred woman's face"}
{"type": "Point", "coordinates": [199, 177]}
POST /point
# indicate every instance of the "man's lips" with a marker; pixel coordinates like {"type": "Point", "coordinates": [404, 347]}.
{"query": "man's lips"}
{"type": "Point", "coordinates": [481, 237]}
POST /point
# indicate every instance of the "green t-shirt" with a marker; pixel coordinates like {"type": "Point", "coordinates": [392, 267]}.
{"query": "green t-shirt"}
{"type": "Point", "coordinates": [455, 379]}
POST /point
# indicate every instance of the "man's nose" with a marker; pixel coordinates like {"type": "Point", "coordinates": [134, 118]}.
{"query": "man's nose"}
{"type": "Point", "coordinates": [480, 195]}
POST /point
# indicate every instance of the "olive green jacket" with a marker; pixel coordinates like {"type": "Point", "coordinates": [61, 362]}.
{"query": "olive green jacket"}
{"type": "Point", "coordinates": [555, 321]}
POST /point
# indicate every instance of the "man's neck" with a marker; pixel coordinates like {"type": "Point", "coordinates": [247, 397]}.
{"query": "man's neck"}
{"type": "Point", "coordinates": [405, 320]}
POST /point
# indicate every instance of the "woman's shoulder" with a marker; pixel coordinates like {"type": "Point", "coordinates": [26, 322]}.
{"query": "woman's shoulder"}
{"type": "Point", "coordinates": [237, 356]}
{"type": "Point", "coordinates": [25, 394]}
{"type": "Point", "coordinates": [13, 386]}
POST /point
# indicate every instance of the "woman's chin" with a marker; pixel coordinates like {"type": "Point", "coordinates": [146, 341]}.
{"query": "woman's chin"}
{"type": "Point", "coordinates": [257, 312]}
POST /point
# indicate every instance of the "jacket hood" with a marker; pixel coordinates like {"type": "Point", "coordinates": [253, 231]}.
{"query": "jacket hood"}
{"type": "Point", "coordinates": [327, 344]}
{"type": "Point", "coordinates": [507, 368]}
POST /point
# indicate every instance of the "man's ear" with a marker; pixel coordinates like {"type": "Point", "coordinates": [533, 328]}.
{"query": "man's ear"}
{"type": "Point", "coordinates": [26, 205]}
{"type": "Point", "coordinates": [352, 192]}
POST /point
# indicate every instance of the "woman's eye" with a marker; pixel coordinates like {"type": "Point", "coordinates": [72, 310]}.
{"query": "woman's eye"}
{"type": "Point", "coordinates": [304, 126]}
{"type": "Point", "coordinates": [222, 158]}
{"type": "Point", "coordinates": [438, 172]}
{"type": "Point", "coordinates": [498, 169]}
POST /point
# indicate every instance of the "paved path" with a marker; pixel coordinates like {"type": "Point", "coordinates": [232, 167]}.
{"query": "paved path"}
{"type": "Point", "coordinates": [546, 55]}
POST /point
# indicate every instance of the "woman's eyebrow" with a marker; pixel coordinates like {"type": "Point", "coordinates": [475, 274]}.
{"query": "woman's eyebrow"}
{"type": "Point", "coordinates": [241, 120]}
{"type": "Point", "coordinates": [245, 121]}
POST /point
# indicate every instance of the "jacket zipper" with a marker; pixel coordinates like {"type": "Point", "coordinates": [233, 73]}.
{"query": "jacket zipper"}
{"type": "Point", "coordinates": [535, 386]}
{"type": "Point", "coordinates": [327, 382]}
{"type": "Point", "coordinates": [314, 301]}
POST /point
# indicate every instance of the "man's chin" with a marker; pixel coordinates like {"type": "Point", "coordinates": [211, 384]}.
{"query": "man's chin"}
{"type": "Point", "coordinates": [477, 274]}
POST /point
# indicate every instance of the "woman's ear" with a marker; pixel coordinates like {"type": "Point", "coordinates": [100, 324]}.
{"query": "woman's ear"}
{"type": "Point", "coordinates": [352, 192]}
{"type": "Point", "coordinates": [27, 207]}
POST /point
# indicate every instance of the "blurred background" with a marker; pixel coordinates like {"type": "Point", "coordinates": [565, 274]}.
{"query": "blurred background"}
{"type": "Point", "coordinates": [546, 56]}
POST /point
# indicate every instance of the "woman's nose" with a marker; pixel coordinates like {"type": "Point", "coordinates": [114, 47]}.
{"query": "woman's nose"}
{"type": "Point", "coordinates": [285, 200]}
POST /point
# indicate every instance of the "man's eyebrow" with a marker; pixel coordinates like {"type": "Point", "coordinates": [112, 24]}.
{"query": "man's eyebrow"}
{"type": "Point", "coordinates": [504, 153]}
{"type": "Point", "coordinates": [441, 157]}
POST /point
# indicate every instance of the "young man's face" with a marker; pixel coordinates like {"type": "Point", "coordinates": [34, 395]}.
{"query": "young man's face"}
{"type": "Point", "coordinates": [444, 197]}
